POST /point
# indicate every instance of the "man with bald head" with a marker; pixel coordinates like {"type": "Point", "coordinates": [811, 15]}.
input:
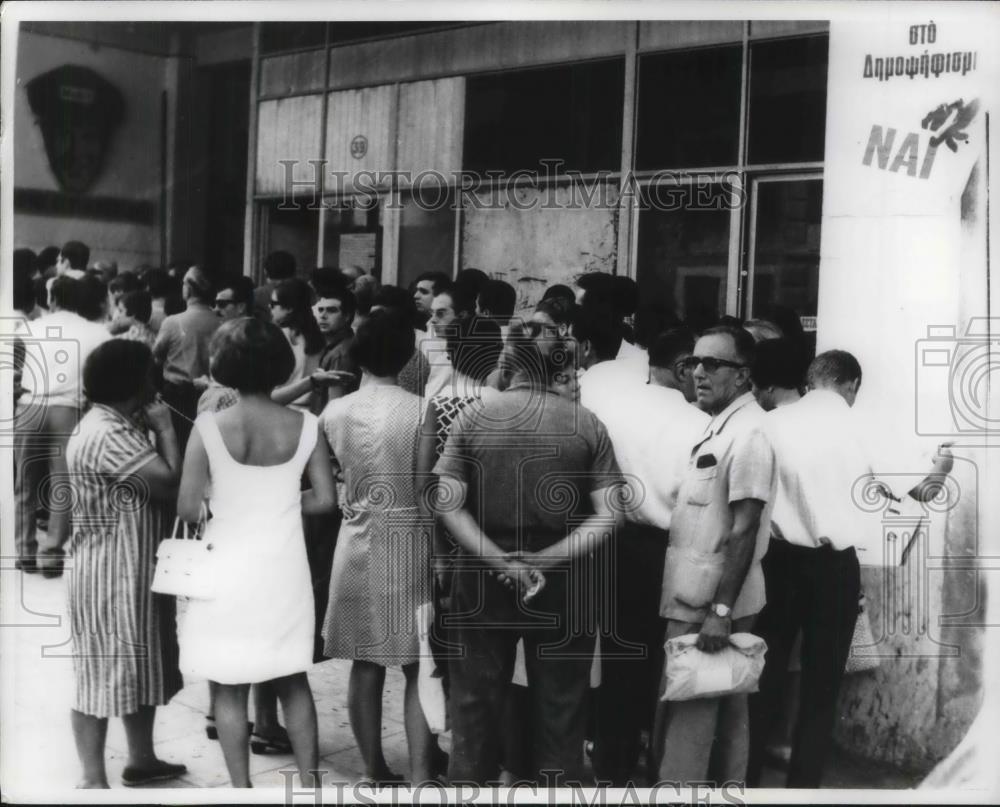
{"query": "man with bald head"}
{"type": "Point", "coordinates": [713, 584]}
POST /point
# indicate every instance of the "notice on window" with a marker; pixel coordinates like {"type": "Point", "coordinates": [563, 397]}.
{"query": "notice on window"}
{"type": "Point", "coordinates": [358, 249]}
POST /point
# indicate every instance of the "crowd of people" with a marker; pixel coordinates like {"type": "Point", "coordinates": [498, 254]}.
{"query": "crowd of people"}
{"type": "Point", "coordinates": [568, 487]}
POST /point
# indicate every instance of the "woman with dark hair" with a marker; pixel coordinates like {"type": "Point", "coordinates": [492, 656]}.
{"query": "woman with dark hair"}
{"type": "Point", "coordinates": [381, 566]}
{"type": "Point", "coordinates": [258, 625]}
{"type": "Point", "coordinates": [120, 482]}
{"type": "Point", "coordinates": [291, 310]}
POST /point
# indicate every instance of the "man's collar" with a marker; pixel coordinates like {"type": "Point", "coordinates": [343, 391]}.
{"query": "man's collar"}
{"type": "Point", "coordinates": [719, 422]}
{"type": "Point", "coordinates": [336, 337]}
{"type": "Point", "coordinates": [826, 397]}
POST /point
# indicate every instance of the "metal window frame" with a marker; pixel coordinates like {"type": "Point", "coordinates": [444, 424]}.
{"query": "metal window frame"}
{"type": "Point", "coordinates": [744, 175]}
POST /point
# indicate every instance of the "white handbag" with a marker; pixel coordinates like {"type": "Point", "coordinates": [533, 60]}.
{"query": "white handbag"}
{"type": "Point", "coordinates": [184, 565]}
{"type": "Point", "coordinates": [691, 673]}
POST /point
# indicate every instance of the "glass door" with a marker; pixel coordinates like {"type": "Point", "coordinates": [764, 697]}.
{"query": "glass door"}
{"type": "Point", "coordinates": [782, 268]}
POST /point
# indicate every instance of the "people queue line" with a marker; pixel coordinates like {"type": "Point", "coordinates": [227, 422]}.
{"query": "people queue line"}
{"type": "Point", "coordinates": [593, 467]}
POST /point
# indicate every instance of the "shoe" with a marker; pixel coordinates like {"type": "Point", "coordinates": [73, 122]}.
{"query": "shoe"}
{"type": "Point", "coordinates": [276, 744]}
{"type": "Point", "coordinates": [27, 565]}
{"type": "Point", "coordinates": [136, 777]}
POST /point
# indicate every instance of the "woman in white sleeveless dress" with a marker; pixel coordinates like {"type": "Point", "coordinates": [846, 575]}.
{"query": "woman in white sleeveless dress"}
{"type": "Point", "coordinates": [258, 624]}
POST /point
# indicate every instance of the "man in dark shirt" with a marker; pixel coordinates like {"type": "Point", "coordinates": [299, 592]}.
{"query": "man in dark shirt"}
{"type": "Point", "coordinates": [334, 310]}
{"type": "Point", "coordinates": [528, 485]}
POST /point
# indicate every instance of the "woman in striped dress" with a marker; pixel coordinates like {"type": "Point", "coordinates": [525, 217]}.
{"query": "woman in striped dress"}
{"type": "Point", "coordinates": [124, 656]}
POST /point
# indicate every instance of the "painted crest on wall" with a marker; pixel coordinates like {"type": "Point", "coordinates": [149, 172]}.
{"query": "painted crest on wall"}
{"type": "Point", "coordinates": [78, 112]}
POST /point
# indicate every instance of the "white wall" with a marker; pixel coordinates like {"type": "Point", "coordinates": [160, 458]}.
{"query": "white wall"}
{"type": "Point", "coordinates": [896, 259]}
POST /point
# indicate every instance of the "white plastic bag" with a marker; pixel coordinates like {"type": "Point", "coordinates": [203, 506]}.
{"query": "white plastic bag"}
{"type": "Point", "coordinates": [691, 673]}
{"type": "Point", "coordinates": [429, 687]}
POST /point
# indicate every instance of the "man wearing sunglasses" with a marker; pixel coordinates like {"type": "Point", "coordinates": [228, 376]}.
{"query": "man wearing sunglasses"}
{"type": "Point", "coordinates": [713, 584]}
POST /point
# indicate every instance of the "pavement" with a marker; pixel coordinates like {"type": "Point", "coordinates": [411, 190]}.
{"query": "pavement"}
{"type": "Point", "coordinates": [38, 759]}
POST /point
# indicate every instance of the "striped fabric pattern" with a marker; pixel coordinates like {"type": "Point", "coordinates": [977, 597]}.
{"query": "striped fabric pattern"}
{"type": "Point", "coordinates": [118, 638]}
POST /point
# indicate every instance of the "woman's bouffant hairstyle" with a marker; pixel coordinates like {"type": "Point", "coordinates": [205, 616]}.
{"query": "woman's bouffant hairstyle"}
{"type": "Point", "coordinates": [250, 356]}
{"type": "Point", "coordinates": [117, 370]}
{"type": "Point", "coordinates": [384, 343]}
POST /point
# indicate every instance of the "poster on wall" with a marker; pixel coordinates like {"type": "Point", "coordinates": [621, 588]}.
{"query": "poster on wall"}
{"type": "Point", "coordinates": [913, 94]}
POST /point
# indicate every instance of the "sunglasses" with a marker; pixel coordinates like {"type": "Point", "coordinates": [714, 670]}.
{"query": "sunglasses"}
{"type": "Point", "coordinates": [222, 303]}
{"type": "Point", "coordinates": [273, 303]}
{"type": "Point", "coordinates": [710, 364]}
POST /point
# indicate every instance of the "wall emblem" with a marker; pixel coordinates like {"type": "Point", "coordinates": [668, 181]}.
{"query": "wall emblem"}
{"type": "Point", "coordinates": [78, 112]}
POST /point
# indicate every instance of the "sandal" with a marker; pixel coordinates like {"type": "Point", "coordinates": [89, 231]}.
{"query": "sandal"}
{"type": "Point", "coordinates": [273, 744]}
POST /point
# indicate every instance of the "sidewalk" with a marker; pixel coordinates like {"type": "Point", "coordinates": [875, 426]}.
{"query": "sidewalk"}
{"type": "Point", "coordinates": [39, 756]}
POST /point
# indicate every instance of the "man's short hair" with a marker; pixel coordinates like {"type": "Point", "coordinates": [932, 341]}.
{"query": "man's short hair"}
{"type": "Point", "coordinates": [327, 277]}
{"type": "Point", "coordinates": [348, 302]}
{"type": "Point", "coordinates": [472, 281]}
{"type": "Point", "coordinates": [440, 282]}
{"type": "Point", "coordinates": [384, 343]}
{"type": "Point", "coordinates": [599, 324]}
{"type": "Point", "coordinates": [279, 265]}
{"type": "Point", "coordinates": [777, 363]}
{"type": "Point", "coordinates": [743, 343]}
{"type": "Point", "coordinates": [625, 299]}
{"type": "Point", "coordinates": [66, 293]}
{"type": "Point", "coordinates": [668, 347]}
{"type": "Point", "coordinates": [597, 284]}
{"type": "Point", "coordinates": [93, 297]}
{"type": "Point", "coordinates": [559, 309]}
{"type": "Point", "coordinates": [462, 301]}
{"type": "Point", "coordinates": [833, 367]}
{"type": "Point", "coordinates": [393, 297]}
{"type": "Point", "coordinates": [242, 288]}
{"type": "Point", "coordinates": [138, 304]}
{"type": "Point", "coordinates": [365, 288]}
{"type": "Point", "coordinates": [250, 355]}
{"type": "Point", "coordinates": [77, 253]}
{"type": "Point", "coordinates": [201, 284]}
{"type": "Point", "coordinates": [499, 298]}
{"type": "Point", "coordinates": [117, 370]}
{"type": "Point", "coordinates": [559, 291]}
{"type": "Point", "coordinates": [47, 258]}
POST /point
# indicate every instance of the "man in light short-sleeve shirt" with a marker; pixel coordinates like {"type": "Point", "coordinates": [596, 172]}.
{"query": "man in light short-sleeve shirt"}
{"type": "Point", "coordinates": [722, 516]}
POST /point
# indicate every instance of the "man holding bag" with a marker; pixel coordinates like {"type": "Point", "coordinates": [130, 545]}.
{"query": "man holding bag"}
{"type": "Point", "coordinates": [713, 585]}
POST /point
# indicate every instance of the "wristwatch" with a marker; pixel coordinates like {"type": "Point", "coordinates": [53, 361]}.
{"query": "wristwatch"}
{"type": "Point", "coordinates": [721, 610]}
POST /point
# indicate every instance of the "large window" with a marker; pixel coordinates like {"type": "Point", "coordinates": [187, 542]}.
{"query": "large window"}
{"type": "Point", "coordinates": [788, 100]}
{"type": "Point", "coordinates": [683, 252]}
{"type": "Point", "coordinates": [293, 230]}
{"type": "Point", "coordinates": [689, 109]}
{"type": "Point", "coordinates": [786, 223]}
{"type": "Point", "coordinates": [516, 120]}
